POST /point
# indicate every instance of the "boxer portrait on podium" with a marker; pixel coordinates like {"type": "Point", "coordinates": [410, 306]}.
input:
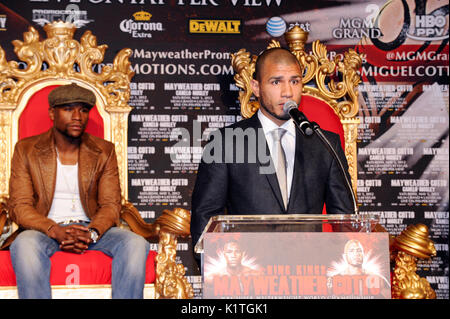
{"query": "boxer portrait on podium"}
{"type": "Point", "coordinates": [264, 164]}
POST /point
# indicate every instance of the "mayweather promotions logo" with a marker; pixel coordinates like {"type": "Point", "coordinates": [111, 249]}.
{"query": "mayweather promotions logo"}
{"type": "Point", "coordinates": [140, 26]}
{"type": "Point", "coordinates": [197, 26]}
{"type": "Point", "coordinates": [72, 14]}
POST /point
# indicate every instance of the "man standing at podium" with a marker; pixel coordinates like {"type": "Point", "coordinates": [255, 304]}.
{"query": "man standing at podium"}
{"type": "Point", "coordinates": [264, 165]}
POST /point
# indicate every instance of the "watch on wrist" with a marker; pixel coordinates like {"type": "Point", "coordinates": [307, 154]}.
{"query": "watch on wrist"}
{"type": "Point", "coordinates": [94, 235]}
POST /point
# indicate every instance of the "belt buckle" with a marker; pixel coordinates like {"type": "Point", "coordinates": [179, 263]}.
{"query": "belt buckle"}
{"type": "Point", "coordinates": [70, 221]}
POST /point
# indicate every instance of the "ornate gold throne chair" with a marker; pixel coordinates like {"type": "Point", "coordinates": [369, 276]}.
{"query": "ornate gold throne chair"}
{"type": "Point", "coordinates": [59, 59]}
{"type": "Point", "coordinates": [330, 98]}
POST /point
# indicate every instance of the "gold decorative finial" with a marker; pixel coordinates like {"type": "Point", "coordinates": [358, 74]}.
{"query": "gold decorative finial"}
{"type": "Point", "coordinates": [60, 29]}
{"type": "Point", "coordinates": [296, 37]}
{"type": "Point", "coordinates": [176, 221]}
{"type": "Point", "coordinates": [414, 241]}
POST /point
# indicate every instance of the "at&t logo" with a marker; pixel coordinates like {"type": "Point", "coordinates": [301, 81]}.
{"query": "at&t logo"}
{"type": "Point", "coordinates": [276, 26]}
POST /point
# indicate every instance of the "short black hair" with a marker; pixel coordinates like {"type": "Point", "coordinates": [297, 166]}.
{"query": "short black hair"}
{"type": "Point", "coordinates": [286, 55]}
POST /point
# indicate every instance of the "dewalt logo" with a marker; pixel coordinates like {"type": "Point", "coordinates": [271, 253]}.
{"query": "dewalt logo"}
{"type": "Point", "coordinates": [201, 26]}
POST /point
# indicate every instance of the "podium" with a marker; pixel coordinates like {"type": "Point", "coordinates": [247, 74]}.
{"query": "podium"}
{"type": "Point", "coordinates": [294, 256]}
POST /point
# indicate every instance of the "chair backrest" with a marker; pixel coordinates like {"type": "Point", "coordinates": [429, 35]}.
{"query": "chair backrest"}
{"type": "Point", "coordinates": [57, 60]}
{"type": "Point", "coordinates": [329, 97]}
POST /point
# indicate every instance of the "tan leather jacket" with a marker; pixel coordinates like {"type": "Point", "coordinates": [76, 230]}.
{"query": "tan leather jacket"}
{"type": "Point", "coordinates": [33, 179]}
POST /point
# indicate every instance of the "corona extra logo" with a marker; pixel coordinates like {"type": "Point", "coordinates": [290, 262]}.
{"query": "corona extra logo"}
{"type": "Point", "coordinates": [139, 26]}
{"type": "Point", "coordinates": [199, 26]}
{"type": "Point", "coordinates": [142, 16]}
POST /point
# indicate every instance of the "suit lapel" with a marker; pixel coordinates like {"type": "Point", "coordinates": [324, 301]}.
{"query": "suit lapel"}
{"type": "Point", "coordinates": [87, 163]}
{"type": "Point", "coordinates": [298, 167]}
{"type": "Point", "coordinates": [273, 181]}
{"type": "Point", "coordinates": [271, 178]}
{"type": "Point", "coordinates": [46, 160]}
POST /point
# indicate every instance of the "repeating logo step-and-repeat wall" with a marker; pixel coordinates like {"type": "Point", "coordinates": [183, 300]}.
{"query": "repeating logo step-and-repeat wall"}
{"type": "Point", "coordinates": [183, 83]}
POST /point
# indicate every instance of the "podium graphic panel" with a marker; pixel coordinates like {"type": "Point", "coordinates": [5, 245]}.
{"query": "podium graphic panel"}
{"type": "Point", "coordinates": [345, 265]}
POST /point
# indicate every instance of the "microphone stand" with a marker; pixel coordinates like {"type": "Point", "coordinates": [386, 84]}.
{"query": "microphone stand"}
{"type": "Point", "coordinates": [318, 131]}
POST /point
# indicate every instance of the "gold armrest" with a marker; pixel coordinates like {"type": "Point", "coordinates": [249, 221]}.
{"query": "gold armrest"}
{"type": "Point", "coordinates": [170, 281]}
{"type": "Point", "coordinates": [7, 227]}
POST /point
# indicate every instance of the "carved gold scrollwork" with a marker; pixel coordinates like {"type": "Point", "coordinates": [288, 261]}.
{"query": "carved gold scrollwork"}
{"type": "Point", "coordinates": [172, 283]}
{"type": "Point", "coordinates": [4, 151]}
{"type": "Point", "coordinates": [65, 58]}
{"type": "Point", "coordinates": [244, 67]}
{"type": "Point", "coordinates": [350, 136]}
{"type": "Point", "coordinates": [326, 69]}
{"type": "Point", "coordinates": [170, 280]}
{"type": "Point", "coordinates": [406, 283]}
{"type": "Point", "coordinates": [5, 222]}
{"type": "Point", "coordinates": [273, 44]}
{"type": "Point", "coordinates": [348, 67]}
{"type": "Point", "coordinates": [411, 244]}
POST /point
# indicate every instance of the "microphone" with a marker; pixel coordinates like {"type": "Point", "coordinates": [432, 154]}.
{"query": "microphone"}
{"type": "Point", "coordinates": [305, 126]}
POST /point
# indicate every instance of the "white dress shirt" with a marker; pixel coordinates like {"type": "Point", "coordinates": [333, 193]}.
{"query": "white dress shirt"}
{"type": "Point", "coordinates": [287, 141]}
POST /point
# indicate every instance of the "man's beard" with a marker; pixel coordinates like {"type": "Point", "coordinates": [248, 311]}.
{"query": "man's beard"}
{"type": "Point", "coordinates": [71, 139]}
{"type": "Point", "coordinates": [284, 117]}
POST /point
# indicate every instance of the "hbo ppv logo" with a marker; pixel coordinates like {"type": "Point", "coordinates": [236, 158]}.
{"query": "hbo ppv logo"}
{"type": "Point", "coordinates": [429, 27]}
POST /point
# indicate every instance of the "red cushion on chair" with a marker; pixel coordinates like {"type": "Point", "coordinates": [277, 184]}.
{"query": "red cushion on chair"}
{"type": "Point", "coordinates": [90, 268]}
{"type": "Point", "coordinates": [35, 120]}
{"type": "Point", "coordinates": [7, 276]}
{"type": "Point", "coordinates": [320, 112]}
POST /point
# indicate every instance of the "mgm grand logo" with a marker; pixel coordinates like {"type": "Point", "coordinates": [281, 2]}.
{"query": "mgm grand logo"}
{"type": "Point", "coordinates": [201, 26]}
{"type": "Point", "coordinates": [140, 26]}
